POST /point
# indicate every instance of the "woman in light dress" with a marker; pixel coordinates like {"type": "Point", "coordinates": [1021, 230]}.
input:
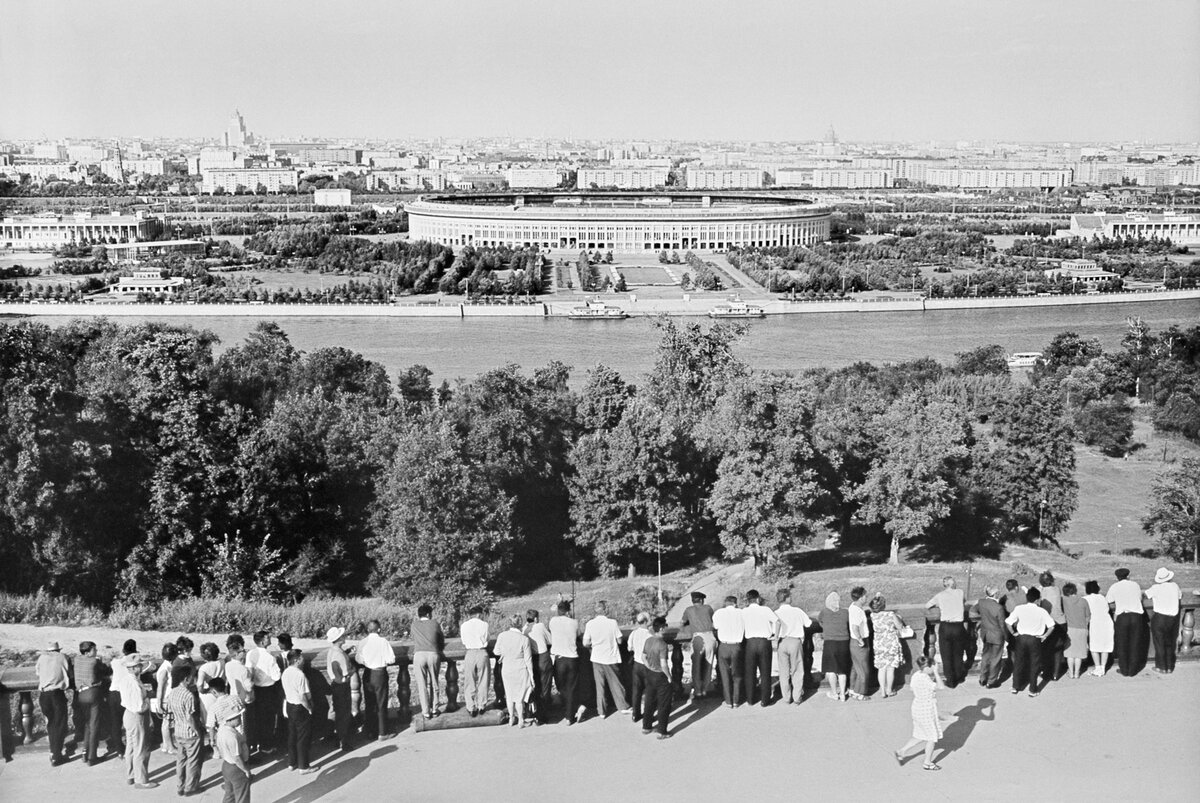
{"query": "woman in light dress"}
{"type": "Point", "coordinates": [888, 654]}
{"type": "Point", "coordinates": [211, 668]}
{"type": "Point", "coordinates": [927, 728]}
{"type": "Point", "coordinates": [1100, 627]}
{"type": "Point", "coordinates": [515, 652]}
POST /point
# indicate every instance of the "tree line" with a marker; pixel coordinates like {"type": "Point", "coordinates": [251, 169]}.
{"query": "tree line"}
{"type": "Point", "coordinates": [138, 466]}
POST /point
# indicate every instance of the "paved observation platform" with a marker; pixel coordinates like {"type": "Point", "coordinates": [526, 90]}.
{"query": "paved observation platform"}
{"type": "Point", "coordinates": [1110, 738]}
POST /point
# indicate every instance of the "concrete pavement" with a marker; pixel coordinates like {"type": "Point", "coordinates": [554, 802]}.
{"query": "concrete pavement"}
{"type": "Point", "coordinates": [1110, 738]}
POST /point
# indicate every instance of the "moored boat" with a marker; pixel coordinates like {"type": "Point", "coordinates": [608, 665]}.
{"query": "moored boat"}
{"type": "Point", "coordinates": [736, 308]}
{"type": "Point", "coordinates": [1024, 359]}
{"type": "Point", "coordinates": [597, 310]}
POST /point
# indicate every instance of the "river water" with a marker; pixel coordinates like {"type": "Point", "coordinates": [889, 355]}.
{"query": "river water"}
{"type": "Point", "coordinates": [453, 347]}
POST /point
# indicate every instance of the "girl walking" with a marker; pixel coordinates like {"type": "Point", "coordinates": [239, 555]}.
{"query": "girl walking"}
{"type": "Point", "coordinates": [927, 728]}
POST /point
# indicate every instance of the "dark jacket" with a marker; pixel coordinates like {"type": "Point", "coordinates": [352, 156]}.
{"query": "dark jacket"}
{"type": "Point", "coordinates": [991, 620]}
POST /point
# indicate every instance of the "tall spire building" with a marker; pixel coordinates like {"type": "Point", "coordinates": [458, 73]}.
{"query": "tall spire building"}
{"type": "Point", "coordinates": [235, 132]}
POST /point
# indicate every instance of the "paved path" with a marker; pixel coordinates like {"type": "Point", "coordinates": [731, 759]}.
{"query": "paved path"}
{"type": "Point", "coordinates": [1108, 738]}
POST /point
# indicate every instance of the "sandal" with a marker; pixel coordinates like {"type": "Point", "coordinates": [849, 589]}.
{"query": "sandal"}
{"type": "Point", "coordinates": [832, 696]}
{"type": "Point", "coordinates": [931, 767]}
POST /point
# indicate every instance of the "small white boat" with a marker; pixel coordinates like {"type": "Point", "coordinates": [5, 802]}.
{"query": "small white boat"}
{"type": "Point", "coordinates": [597, 310]}
{"type": "Point", "coordinates": [1024, 359]}
{"type": "Point", "coordinates": [736, 309]}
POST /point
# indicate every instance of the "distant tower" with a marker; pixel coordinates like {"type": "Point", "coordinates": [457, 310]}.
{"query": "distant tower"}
{"type": "Point", "coordinates": [235, 132]}
{"type": "Point", "coordinates": [831, 136]}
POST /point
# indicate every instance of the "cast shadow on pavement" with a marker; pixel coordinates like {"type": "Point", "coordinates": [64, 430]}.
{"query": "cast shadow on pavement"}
{"type": "Point", "coordinates": [959, 731]}
{"type": "Point", "coordinates": [337, 774]}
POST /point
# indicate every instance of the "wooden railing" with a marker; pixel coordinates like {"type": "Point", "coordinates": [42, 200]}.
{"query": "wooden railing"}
{"type": "Point", "coordinates": [20, 682]}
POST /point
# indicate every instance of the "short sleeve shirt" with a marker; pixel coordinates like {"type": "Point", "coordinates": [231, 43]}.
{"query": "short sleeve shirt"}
{"type": "Point", "coordinates": [1165, 597]}
{"type": "Point", "coordinates": [295, 685]}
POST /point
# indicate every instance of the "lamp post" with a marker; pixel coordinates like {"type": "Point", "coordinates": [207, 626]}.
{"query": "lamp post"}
{"type": "Point", "coordinates": [1041, 513]}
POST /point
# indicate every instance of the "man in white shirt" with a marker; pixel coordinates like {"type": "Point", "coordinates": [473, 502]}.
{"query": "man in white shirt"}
{"type": "Point", "coordinates": [730, 631]}
{"type": "Point", "coordinates": [1164, 622]}
{"type": "Point", "coordinates": [637, 640]}
{"type": "Point", "coordinates": [237, 675]}
{"type": "Point", "coordinates": [543, 664]}
{"type": "Point", "coordinates": [1129, 624]}
{"type": "Point", "coordinates": [262, 721]}
{"type": "Point", "coordinates": [136, 717]}
{"type": "Point", "coordinates": [1030, 624]}
{"type": "Point", "coordinates": [374, 654]}
{"type": "Point", "coordinates": [603, 636]}
{"type": "Point", "coordinates": [564, 649]}
{"type": "Point", "coordinates": [860, 648]}
{"type": "Point", "coordinates": [297, 696]}
{"type": "Point", "coordinates": [790, 630]}
{"type": "Point", "coordinates": [759, 623]}
{"type": "Point", "coordinates": [952, 632]}
{"type": "Point", "coordinates": [476, 666]}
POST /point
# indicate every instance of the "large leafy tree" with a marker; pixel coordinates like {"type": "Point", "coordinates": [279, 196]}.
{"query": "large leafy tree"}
{"type": "Point", "coordinates": [442, 529]}
{"type": "Point", "coordinates": [912, 484]}
{"type": "Point", "coordinates": [766, 498]}
{"type": "Point", "coordinates": [1028, 464]}
{"type": "Point", "coordinates": [255, 373]}
{"type": "Point", "coordinates": [1174, 517]}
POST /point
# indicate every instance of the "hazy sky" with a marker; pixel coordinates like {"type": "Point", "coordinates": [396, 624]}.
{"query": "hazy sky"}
{"type": "Point", "coordinates": [1065, 70]}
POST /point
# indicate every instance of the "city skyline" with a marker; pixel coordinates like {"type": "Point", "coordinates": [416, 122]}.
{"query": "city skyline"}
{"type": "Point", "coordinates": [1018, 71]}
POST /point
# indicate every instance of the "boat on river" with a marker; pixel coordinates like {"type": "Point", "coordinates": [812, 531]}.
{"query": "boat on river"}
{"type": "Point", "coordinates": [736, 308]}
{"type": "Point", "coordinates": [597, 310]}
{"type": "Point", "coordinates": [1024, 359]}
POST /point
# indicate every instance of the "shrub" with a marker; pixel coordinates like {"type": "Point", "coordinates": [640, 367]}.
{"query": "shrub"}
{"type": "Point", "coordinates": [42, 608]}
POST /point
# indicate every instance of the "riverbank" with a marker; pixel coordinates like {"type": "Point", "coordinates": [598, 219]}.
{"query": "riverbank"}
{"type": "Point", "coordinates": [630, 303]}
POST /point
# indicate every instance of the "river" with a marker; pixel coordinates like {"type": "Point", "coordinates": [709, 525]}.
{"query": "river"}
{"type": "Point", "coordinates": [453, 347]}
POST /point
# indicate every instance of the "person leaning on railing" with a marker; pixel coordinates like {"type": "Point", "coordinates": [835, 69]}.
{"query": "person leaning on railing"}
{"type": "Point", "coordinates": [54, 678]}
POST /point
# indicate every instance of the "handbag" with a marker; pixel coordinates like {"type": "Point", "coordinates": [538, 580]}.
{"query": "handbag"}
{"type": "Point", "coordinates": [907, 632]}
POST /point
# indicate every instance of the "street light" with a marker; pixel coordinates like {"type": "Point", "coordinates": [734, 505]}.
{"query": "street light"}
{"type": "Point", "coordinates": [1041, 512]}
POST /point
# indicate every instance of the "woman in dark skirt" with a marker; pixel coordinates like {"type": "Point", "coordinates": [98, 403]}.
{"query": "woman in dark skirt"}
{"type": "Point", "coordinates": [835, 654]}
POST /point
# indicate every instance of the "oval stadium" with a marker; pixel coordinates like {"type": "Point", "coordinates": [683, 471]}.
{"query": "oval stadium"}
{"type": "Point", "coordinates": [618, 222]}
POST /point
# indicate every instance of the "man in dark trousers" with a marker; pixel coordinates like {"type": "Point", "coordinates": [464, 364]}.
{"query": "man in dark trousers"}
{"type": "Point", "coordinates": [1129, 624]}
{"type": "Point", "coordinates": [952, 632]}
{"type": "Point", "coordinates": [658, 681]}
{"type": "Point", "coordinates": [731, 630]}
{"type": "Point", "coordinates": [54, 678]}
{"type": "Point", "coordinates": [698, 624]}
{"type": "Point", "coordinates": [992, 632]}
{"type": "Point", "coordinates": [759, 623]}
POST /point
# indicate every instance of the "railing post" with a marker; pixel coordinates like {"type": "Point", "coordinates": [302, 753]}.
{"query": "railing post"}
{"type": "Point", "coordinates": [26, 717]}
{"type": "Point", "coordinates": [6, 735]}
{"type": "Point", "coordinates": [403, 692]}
{"type": "Point", "coordinates": [451, 685]}
{"type": "Point", "coordinates": [1187, 630]}
{"type": "Point", "coordinates": [355, 693]}
{"type": "Point", "coordinates": [677, 669]}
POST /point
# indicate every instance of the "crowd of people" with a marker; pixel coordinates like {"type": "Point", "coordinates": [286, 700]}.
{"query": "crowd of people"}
{"type": "Point", "coordinates": [251, 703]}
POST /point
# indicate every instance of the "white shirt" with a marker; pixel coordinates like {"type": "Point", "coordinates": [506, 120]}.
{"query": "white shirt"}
{"type": "Point", "coordinates": [133, 693]}
{"type": "Point", "coordinates": [792, 621]}
{"type": "Point", "coordinates": [264, 669]}
{"type": "Point", "coordinates": [374, 652]}
{"type": "Point", "coordinates": [1127, 595]}
{"type": "Point", "coordinates": [728, 623]}
{"type": "Point", "coordinates": [1030, 619]}
{"type": "Point", "coordinates": [540, 637]}
{"type": "Point", "coordinates": [604, 637]}
{"type": "Point", "coordinates": [637, 640]}
{"type": "Point", "coordinates": [858, 623]}
{"type": "Point", "coordinates": [758, 621]}
{"type": "Point", "coordinates": [162, 677]}
{"type": "Point", "coordinates": [564, 637]}
{"type": "Point", "coordinates": [240, 685]}
{"type": "Point", "coordinates": [295, 685]}
{"type": "Point", "coordinates": [950, 605]}
{"type": "Point", "coordinates": [474, 634]}
{"type": "Point", "coordinates": [1165, 597]}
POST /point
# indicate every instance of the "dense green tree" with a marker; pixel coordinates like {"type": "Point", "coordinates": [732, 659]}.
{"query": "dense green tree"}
{"type": "Point", "coordinates": [1107, 425]}
{"type": "Point", "coordinates": [1174, 517]}
{"type": "Point", "coordinates": [1028, 464]}
{"type": "Point", "coordinates": [766, 497]}
{"type": "Point", "coordinates": [603, 399]}
{"type": "Point", "coordinates": [442, 529]}
{"type": "Point", "coordinates": [255, 373]}
{"type": "Point", "coordinates": [912, 484]}
{"type": "Point", "coordinates": [982, 360]}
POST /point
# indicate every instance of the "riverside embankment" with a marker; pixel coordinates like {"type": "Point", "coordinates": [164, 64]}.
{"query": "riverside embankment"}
{"type": "Point", "coordinates": [557, 306]}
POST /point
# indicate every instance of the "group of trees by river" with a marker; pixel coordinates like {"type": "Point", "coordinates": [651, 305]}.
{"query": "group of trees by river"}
{"type": "Point", "coordinates": [136, 466]}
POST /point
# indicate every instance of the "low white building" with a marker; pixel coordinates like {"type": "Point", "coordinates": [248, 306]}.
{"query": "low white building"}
{"type": "Point", "coordinates": [537, 178]}
{"type": "Point", "coordinates": [706, 178]}
{"type": "Point", "coordinates": [1080, 271]}
{"type": "Point", "coordinates": [150, 281]}
{"type": "Point", "coordinates": [331, 197]}
{"type": "Point", "coordinates": [273, 179]}
{"type": "Point", "coordinates": [623, 178]}
{"type": "Point", "coordinates": [1179, 229]}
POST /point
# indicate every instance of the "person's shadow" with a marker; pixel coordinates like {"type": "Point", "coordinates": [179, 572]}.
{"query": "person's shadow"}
{"type": "Point", "coordinates": [959, 731]}
{"type": "Point", "coordinates": [334, 776]}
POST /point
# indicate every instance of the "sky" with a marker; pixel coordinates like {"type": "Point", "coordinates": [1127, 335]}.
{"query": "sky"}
{"type": "Point", "coordinates": [903, 70]}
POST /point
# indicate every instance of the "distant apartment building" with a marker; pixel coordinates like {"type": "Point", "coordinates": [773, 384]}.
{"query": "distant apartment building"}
{"type": "Point", "coordinates": [52, 231]}
{"type": "Point", "coordinates": [1145, 175]}
{"type": "Point", "coordinates": [235, 135]}
{"type": "Point", "coordinates": [705, 178]}
{"type": "Point", "coordinates": [393, 162]}
{"type": "Point", "coordinates": [216, 159]}
{"type": "Point", "coordinates": [1179, 229]}
{"type": "Point", "coordinates": [249, 178]}
{"type": "Point", "coordinates": [87, 154]}
{"type": "Point", "coordinates": [850, 178]}
{"type": "Point", "coordinates": [396, 180]}
{"type": "Point", "coordinates": [987, 178]}
{"type": "Point", "coordinates": [623, 178]}
{"type": "Point", "coordinates": [43, 171]}
{"type": "Point", "coordinates": [331, 197]}
{"type": "Point", "coordinates": [350, 156]}
{"type": "Point", "coordinates": [538, 178]}
{"type": "Point", "coordinates": [138, 167]}
{"type": "Point", "coordinates": [50, 151]}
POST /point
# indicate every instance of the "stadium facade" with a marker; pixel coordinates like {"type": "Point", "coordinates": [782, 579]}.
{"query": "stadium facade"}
{"type": "Point", "coordinates": [620, 222]}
